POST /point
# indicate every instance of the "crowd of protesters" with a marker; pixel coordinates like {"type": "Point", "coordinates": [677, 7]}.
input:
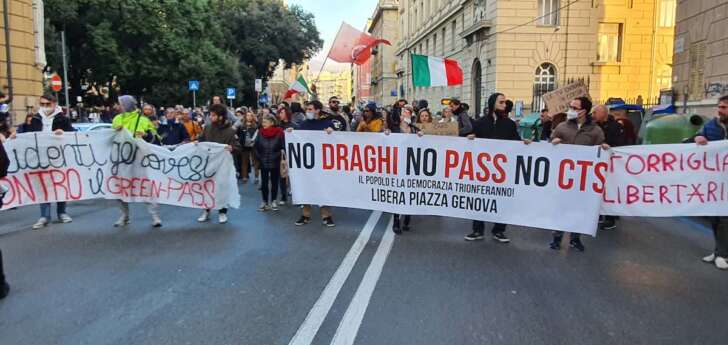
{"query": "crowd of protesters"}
{"type": "Point", "coordinates": [255, 138]}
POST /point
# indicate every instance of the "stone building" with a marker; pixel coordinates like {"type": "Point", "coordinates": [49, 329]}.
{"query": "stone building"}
{"type": "Point", "coordinates": [525, 48]}
{"type": "Point", "coordinates": [27, 54]}
{"type": "Point", "coordinates": [332, 84]}
{"type": "Point", "coordinates": [384, 24]}
{"type": "Point", "coordinates": [700, 65]}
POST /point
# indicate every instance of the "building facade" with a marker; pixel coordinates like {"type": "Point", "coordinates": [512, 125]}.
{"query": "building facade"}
{"type": "Point", "coordinates": [525, 48]}
{"type": "Point", "coordinates": [332, 84]}
{"type": "Point", "coordinates": [701, 55]}
{"type": "Point", "coordinates": [383, 63]}
{"type": "Point", "coordinates": [27, 55]}
{"type": "Point", "coordinates": [282, 78]}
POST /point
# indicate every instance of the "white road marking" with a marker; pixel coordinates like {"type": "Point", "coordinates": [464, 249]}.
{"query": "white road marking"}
{"type": "Point", "coordinates": [310, 326]}
{"type": "Point", "coordinates": [349, 326]}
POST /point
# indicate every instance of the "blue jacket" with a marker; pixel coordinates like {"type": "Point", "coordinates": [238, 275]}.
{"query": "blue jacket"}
{"type": "Point", "coordinates": [173, 133]}
{"type": "Point", "coordinates": [316, 125]}
{"type": "Point", "coordinates": [713, 130]}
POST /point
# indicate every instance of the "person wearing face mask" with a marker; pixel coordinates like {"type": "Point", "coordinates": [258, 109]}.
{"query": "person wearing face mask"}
{"type": "Point", "coordinates": [50, 119]}
{"type": "Point", "coordinates": [406, 126]}
{"type": "Point", "coordinates": [315, 121]}
{"type": "Point", "coordinates": [494, 125]}
{"type": "Point", "coordinates": [578, 129]}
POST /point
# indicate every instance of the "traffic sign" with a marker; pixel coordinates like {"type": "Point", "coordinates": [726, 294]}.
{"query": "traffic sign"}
{"type": "Point", "coordinates": [231, 93]}
{"type": "Point", "coordinates": [259, 85]}
{"type": "Point", "coordinates": [194, 85]}
{"type": "Point", "coordinates": [56, 83]}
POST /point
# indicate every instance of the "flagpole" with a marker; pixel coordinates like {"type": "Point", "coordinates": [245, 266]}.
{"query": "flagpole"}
{"type": "Point", "coordinates": [322, 69]}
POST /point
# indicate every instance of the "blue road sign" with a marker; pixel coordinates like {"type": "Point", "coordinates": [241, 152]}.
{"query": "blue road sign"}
{"type": "Point", "coordinates": [194, 85]}
{"type": "Point", "coordinates": [231, 92]}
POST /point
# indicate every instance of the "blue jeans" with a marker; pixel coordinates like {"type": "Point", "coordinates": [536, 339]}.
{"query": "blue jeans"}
{"type": "Point", "coordinates": [45, 210]}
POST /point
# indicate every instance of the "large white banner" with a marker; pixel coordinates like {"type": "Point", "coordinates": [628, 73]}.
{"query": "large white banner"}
{"type": "Point", "coordinates": [112, 165]}
{"type": "Point", "coordinates": [668, 180]}
{"type": "Point", "coordinates": [537, 185]}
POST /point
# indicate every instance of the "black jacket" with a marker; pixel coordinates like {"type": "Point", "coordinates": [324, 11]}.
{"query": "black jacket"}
{"type": "Point", "coordinates": [613, 132]}
{"type": "Point", "coordinates": [60, 121]}
{"type": "Point", "coordinates": [173, 133]}
{"type": "Point", "coordinates": [268, 151]}
{"type": "Point", "coordinates": [489, 128]}
{"type": "Point", "coordinates": [4, 161]}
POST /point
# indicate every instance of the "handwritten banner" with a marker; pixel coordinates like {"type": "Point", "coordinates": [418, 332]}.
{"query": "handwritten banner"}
{"type": "Point", "coordinates": [112, 165]}
{"type": "Point", "coordinates": [557, 101]}
{"type": "Point", "coordinates": [668, 180]}
{"type": "Point", "coordinates": [539, 185]}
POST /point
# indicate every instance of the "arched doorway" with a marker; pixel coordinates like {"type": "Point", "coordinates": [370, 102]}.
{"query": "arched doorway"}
{"type": "Point", "coordinates": [477, 83]}
{"type": "Point", "coordinates": [544, 81]}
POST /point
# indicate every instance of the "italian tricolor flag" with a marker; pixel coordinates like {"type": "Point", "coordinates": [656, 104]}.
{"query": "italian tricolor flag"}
{"type": "Point", "coordinates": [299, 86]}
{"type": "Point", "coordinates": [430, 71]}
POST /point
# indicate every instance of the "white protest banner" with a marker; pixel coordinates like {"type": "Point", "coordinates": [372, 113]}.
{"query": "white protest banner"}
{"type": "Point", "coordinates": [538, 185]}
{"type": "Point", "coordinates": [112, 165]}
{"type": "Point", "coordinates": [668, 180]}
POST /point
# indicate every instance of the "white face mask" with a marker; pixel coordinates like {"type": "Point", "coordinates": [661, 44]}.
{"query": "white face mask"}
{"type": "Point", "coordinates": [407, 120]}
{"type": "Point", "coordinates": [310, 116]}
{"type": "Point", "coordinates": [572, 114]}
{"type": "Point", "coordinates": [46, 110]}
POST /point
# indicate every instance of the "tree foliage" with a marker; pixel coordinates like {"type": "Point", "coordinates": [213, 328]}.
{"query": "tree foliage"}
{"type": "Point", "coordinates": [151, 48]}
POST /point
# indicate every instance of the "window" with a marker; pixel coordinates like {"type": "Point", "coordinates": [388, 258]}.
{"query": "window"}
{"type": "Point", "coordinates": [427, 46]}
{"type": "Point", "coordinates": [454, 28]}
{"type": "Point", "coordinates": [443, 41]}
{"type": "Point", "coordinates": [697, 71]}
{"type": "Point", "coordinates": [434, 44]}
{"type": "Point", "coordinates": [610, 42]}
{"type": "Point", "coordinates": [544, 81]}
{"type": "Point", "coordinates": [549, 11]}
{"type": "Point", "coordinates": [667, 14]}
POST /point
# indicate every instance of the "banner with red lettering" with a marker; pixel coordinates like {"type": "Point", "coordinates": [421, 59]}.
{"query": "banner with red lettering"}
{"type": "Point", "coordinates": [112, 165]}
{"type": "Point", "coordinates": [668, 180]}
{"type": "Point", "coordinates": [538, 185]}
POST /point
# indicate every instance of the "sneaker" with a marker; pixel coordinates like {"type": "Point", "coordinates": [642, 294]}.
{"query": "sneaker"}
{"type": "Point", "coordinates": [329, 222]}
{"type": "Point", "coordinates": [40, 224]}
{"type": "Point", "coordinates": [555, 243]}
{"type": "Point", "coordinates": [475, 236]}
{"type": "Point", "coordinates": [245, 180]}
{"type": "Point", "coordinates": [396, 228]}
{"type": "Point", "coordinates": [222, 218]}
{"type": "Point", "coordinates": [257, 181]}
{"type": "Point", "coordinates": [123, 220]}
{"type": "Point", "coordinates": [274, 206]}
{"type": "Point", "coordinates": [501, 238]}
{"type": "Point", "coordinates": [709, 259]}
{"type": "Point", "coordinates": [205, 216]}
{"type": "Point", "coordinates": [4, 289]}
{"type": "Point", "coordinates": [609, 225]}
{"type": "Point", "coordinates": [282, 203]}
{"type": "Point", "coordinates": [303, 221]}
{"type": "Point", "coordinates": [65, 218]}
{"type": "Point", "coordinates": [156, 222]}
{"type": "Point", "coordinates": [263, 207]}
{"type": "Point", "coordinates": [721, 263]}
{"type": "Point", "coordinates": [576, 244]}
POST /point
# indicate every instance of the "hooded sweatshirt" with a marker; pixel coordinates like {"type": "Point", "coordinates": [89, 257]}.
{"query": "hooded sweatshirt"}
{"type": "Point", "coordinates": [133, 121]}
{"type": "Point", "coordinates": [57, 120]}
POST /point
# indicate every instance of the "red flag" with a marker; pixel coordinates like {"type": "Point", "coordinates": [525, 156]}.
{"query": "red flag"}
{"type": "Point", "coordinates": [353, 46]}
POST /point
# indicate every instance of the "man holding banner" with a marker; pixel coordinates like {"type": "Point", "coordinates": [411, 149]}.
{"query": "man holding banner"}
{"type": "Point", "coordinates": [715, 130]}
{"type": "Point", "coordinates": [579, 129]}
{"type": "Point", "coordinates": [50, 119]}
{"type": "Point", "coordinates": [4, 163]}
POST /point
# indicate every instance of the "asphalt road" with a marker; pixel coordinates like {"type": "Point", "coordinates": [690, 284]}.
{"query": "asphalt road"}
{"type": "Point", "coordinates": [261, 280]}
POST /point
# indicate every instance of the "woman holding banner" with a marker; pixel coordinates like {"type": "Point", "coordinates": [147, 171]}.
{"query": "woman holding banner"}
{"type": "Point", "coordinates": [373, 121]}
{"type": "Point", "coordinates": [406, 126]}
{"type": "Point", "coordinates": [269, 149]}
{"type": "Point", "coordinates": [4, 164]}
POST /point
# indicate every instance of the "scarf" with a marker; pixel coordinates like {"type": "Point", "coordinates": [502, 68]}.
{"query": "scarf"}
{"type": "Point", "coordinates": [271, 132]}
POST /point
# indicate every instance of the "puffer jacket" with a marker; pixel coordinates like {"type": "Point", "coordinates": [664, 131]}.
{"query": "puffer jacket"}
{"type": "Point", "coordinates": [268, 147]}
{"type": "Point", "coordinates": [221, 134]}
{"type": "Point", "coordinates": [713, 130]}
{"type": "Point", "coordinates": [569, 132]}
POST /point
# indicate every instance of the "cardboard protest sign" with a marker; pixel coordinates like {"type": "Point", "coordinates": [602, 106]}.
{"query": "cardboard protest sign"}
{"type": "Point", "coordinates": [557, 101]}
{"type": "Point", "coordinates": [449, 129]}
{"type": "Point", "coordinates": [112, 165]}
